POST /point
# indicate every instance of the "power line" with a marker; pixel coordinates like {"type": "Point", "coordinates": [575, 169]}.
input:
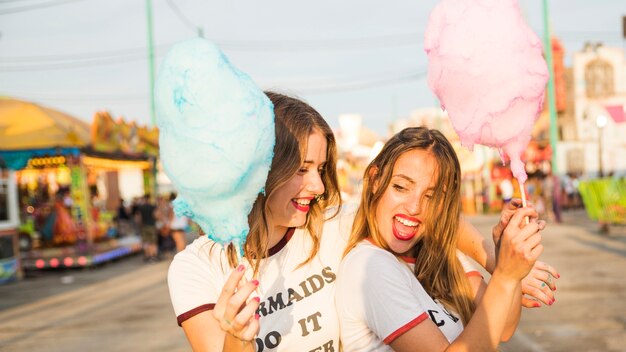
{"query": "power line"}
{"type": "Point", "coordinates": [61, 62]}
{"type": "Point", "coordinates": [341, 44]}
{"type": "Point", "coordinates": [250, 45]}
{"type": "Point", "coordinates": [278, 45]}
{"type": "Point", "coordinates": [36, 6]}
{"type": "Point", "coordinates": [65, 57]}
{"type": "Point", "coordinates": [8, 1]}
{"type": "Point", "coordinates": [352, 86]}
{"type": "Point", "coordinates": [82, 97]}
{"type": "Point", "coordinates": [68, 65]}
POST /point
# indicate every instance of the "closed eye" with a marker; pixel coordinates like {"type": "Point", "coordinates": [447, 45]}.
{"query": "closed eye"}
{"type": "Point", "coordinates": [398, 188]}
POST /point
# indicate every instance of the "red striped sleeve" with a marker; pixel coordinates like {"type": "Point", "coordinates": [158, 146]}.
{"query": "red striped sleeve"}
{"type": "Point", "coordinates": [406, 327]}
{"type": "Point", "coordinates": [474, 273]}
{"type": "Point", "coordinates": [192, 313]}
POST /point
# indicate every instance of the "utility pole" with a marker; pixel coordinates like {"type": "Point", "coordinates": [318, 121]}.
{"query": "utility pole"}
{"type": "Point", "coordinates": [151, 61]}
{"type": "Point", "coordinates": [547, 43]}
{"type": "Point", "coordinates": [155, 187]}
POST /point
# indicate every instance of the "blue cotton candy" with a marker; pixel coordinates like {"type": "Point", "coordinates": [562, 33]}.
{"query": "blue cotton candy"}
{"type": "Point", "coordinates": [216, 138]}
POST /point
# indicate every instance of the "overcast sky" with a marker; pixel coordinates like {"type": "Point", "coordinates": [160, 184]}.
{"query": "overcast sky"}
{"type": "Point", "coordinates": [366, 57]}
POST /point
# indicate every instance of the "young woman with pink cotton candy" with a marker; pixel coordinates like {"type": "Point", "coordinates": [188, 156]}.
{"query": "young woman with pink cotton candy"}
{"type": "Point", "coordinates": [403, 285]}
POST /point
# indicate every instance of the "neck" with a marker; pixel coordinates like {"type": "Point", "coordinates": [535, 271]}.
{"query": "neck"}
{"type": "Point", "coordinates": [277, 234]}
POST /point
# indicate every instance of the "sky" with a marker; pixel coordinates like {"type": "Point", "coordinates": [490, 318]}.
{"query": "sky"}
{"type": "Point", "coordinates": [364, 57]}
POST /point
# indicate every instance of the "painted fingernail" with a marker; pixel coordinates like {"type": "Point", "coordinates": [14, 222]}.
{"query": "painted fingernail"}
{"type": "Point", "coordinates": [255, 282]}
{"type": "Point", "coordinates": [554, 288]}
{"type": "Point", "coordinates": [258, 299]}
{"type": "Point", "coordinates": [241, 267]}
{"type": "Point", "coordinates": [558, 276]}
{"type": "Point", "coordinates": [257, 316]}
{"type": "Point", "coordinates": [537, 305]}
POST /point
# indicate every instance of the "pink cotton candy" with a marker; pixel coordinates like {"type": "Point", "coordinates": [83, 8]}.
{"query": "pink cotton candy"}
{"type": "Point", "coordinates": [486, 67]}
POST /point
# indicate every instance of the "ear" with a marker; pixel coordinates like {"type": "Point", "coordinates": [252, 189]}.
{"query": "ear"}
{"type": "Point", "coordinates": [373, 176]}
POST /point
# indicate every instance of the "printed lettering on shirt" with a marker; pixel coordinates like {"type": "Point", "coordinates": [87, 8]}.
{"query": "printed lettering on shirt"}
{"type": "Point", "coordinates": [306, 288]}
{"type": "Point", "coordinates": [311, 320]}
{"type": "Point", "coordinates": [308, 324]}
{"type": "Point", "coordinates": [327, 347]}
{"type": "Point", "coordinates": [454, 319]}
{"type": "Point", "coordinates": [271, 340]}
{"type": "Point", "coordinates": [435, 316]}
{"type": "Point", "coordinates": [438, 322]}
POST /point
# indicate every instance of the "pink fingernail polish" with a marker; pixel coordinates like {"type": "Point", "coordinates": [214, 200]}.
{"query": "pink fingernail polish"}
{"type": "Point", "coordinates": [255, 282]}
{"type": "Point", "coordinates": [257, 316]}
{"type": "Point", "coordinates": [241, 267]}
{"type": "Point", "coordinates": [258, 299]}
{"type": "Point", "coordinates": [537, 305]}
{"type": "Point", "coordinates": [558, 276]}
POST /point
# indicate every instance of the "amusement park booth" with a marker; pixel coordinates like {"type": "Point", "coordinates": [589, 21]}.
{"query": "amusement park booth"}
{"type": "Point", "coordinates": [67, 190]}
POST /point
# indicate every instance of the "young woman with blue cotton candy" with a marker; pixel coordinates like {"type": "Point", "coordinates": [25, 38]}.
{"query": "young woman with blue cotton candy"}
{"type": "Point", "coordinates": [296, 263]}
{"type": "Point", "coordinates": [289, 304]}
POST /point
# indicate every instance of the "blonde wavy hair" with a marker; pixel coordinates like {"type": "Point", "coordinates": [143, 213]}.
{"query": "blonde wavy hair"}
{"type": "Point", "coordinates": [294, 122]}
{"type": "Point", "coordinates": [436, 267]}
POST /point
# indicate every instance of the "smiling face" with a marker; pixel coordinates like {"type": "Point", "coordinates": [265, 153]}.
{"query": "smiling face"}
{"type": "Point", "coordinates": [401, 209]}
{"type": "Point", "coordinates": [289, 204]}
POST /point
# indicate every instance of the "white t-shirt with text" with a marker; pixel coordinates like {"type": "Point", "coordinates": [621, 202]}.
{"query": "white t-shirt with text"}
{"type": "Point", "coordinates": [378, 299]}
{"type": "Point", "coordinates": [297, 311]}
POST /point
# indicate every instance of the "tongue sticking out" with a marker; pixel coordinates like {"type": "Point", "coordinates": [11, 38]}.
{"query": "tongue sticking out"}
{"type": "Point", "coordinates": [403, 232]}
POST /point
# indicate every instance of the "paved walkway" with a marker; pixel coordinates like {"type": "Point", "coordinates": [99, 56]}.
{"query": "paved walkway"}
{"type": "Point", "coordinates": [125, 305]}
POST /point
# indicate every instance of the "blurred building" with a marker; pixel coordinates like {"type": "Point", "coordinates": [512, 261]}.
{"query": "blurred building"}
{"type": "Point", "coordinates": [357, 145]}
{"type": "Point", "coordinates": [593, 132]}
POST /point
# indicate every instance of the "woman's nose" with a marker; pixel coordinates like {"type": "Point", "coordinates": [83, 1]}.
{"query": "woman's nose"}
{"type": "Point", "coordinates": [315, 184]}
{"type": "Point", "coordinates": [413, 204]}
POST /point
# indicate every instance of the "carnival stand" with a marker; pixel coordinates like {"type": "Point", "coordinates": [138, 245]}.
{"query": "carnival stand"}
{"type": "Point", "coordinates": [67, 190]}
{"type": "Point", "coordinates": [10, 267]}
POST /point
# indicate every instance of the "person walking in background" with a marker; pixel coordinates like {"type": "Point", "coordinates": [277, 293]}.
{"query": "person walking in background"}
{"type": "Point", "coordinates": [123, 219]}
{"type": "Point", "coordinates": [164, 214]}
{"type": "Point", "coordinates": [146, 212]}
{"type": "Point", "coordinates": [178, 227]}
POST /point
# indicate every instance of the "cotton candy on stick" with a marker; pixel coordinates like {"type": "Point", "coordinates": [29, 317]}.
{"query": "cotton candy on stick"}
{"type": "Point", "coordinates": [486, 67]}
{"type": "Point", "coordinates": [216, 138]}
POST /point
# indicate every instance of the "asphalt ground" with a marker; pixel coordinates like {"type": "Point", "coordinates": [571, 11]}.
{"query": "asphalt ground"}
{"type": "Point", "coordinates": [124, 305]}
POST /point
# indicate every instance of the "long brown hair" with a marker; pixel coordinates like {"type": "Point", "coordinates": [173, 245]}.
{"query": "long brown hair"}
{"type": "Point", "coordinates": [294, 122]}
{"type": "Point", "coordinates": [436, 267]}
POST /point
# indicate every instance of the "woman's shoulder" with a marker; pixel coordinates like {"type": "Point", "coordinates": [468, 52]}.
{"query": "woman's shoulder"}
{"type": "Point", "coordinates": [375, 271]}
{"type": "Point", "coordinates": [371, 257]}
{"type": "Point", "coordinates": [202, 252]}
